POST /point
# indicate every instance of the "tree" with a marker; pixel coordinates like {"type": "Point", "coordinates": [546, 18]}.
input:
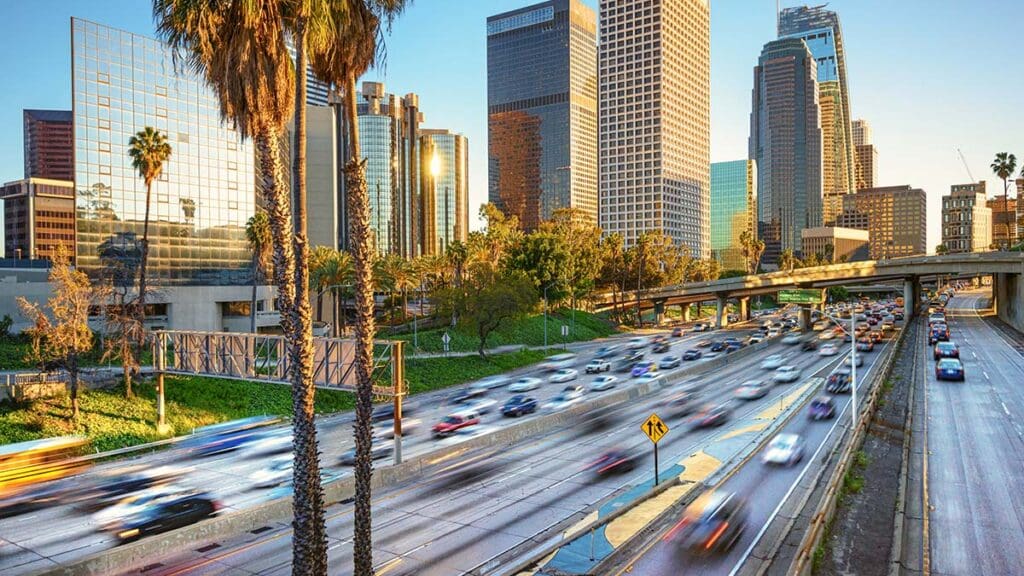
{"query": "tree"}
{"type": "Point", "coordinates": [257, 234]}
{"type": "Point", "coordinates": [62, 336]}
{"type": "Point", "coordinates": [489, 298]}
{"type": "Point", "coordinates": [581, 242]}
{"type": "Point", "coordinates": [829, 254]}
{"type": "Point", "coordinates": [238, 48]}
{"type": "Point", "coordinates": [1003, 166]}
{"type": "Point", "coordinates": [541, 257]}
{"type": "Point", "coordinates": [752, 249]}
{"type": "Point", "coordinates": [787, 261]}
{"type": "Point", "coordinates": [149, 151]}
{"type": "Point", "coordinates": [613, 269]}
{"type": "Point", "coordinates": [123, 333]}
{"type": "Point", "coordinates": [941, 249]}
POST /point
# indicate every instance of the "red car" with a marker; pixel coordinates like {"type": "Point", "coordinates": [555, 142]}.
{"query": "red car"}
{"type": "Point", "coordinates": [455, 422]}
{"type": "Point", "coordinates": [612, 462]}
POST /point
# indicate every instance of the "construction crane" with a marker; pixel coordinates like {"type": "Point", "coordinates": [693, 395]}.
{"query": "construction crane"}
{"type": "Point", "coordinates": [966, 167]}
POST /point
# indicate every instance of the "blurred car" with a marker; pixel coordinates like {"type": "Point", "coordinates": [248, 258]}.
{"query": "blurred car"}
{"type": "Point", "coordinates": [642, 368]}
{"type": "Point", "coordinates": [712, 415]}
{"type": "Point", "coordinates": [949, 369]}
{"type": "Point", "coordinates": [829, 349]}
{"type": "Point", "coordinates": [614, 461]}
{"type": "Point", "coordinates": [463, 396]}
{"type": "Point", "coordinates": [859, 360]}
{"type": "Point", "coordinates": [558, 362]}
{"type": "Point", "coordinates": [821, 408]}
{"type": "Point", "coordinates": [692, 354]}
{"type": "Point", "coordinates": [661, 347]}
{"type": "Point", "coordinates": [455, 422]}
{"type": "Point", "coordinates": [809, 345]}
{"type": "Point", "coordinates": [115, 486]}
{"type": "Point", "coordinates": [786, 374]}
{"type": "Point", "coordinates": [938, 333]}
{"type": "Point", "coordinates": [713, 523]}
{"type": "Point", "coordinates": [677, 332]}
{"type": "Point", "coordinates": [669, 362]}
{"type": "Point", "coordinates": [755, 339]}
{"type": "Point", "coordinates": [563, 400]}
{"type": "Point", "coordinates": [772, 362]}
{"type": "Point", "coordinates": [637, 343]}
{"type": "Point", "coordinates": [826, 335]}
{"type": "Point", "coordinates": [752, 390]}
{"type": "Point", "coordinates": [602, 383]}
{"type": "Point", "coordinates": [838, 382]}
{"type": "Point", "coordinates": [480, 406]}
{"type": "Point", "coordinates": [524, 384]}
{"type": "Point", "coordinates": [731, 347]}
{"type": "Point", "coordinates": [227, 436]}
{"type": "Point", "coordinates": [875, 336]}
{"type": "Point", "coordinates": [491, 382]}
{"type": "Point", "coordinates": [936, 318]}
{"type": "Point", "coordinates": [945, 350]}
{"type": "Point", "coordinates": [651, 377]}
{"type": "Point", "coordinates": [384, 412]}
{"type": "Point", "coordinates": [564, 375]}
{"type": "Point", "coordinates": [108, 518]}
{"type": "Point", "coordinates": [718, 346]}
{"type": "Point", "coordinates": [165, 513]}
{"type": "Point", "coordinates": [704, 344]}
{"type": "Point", "coordinates": [865, 345]}
{"type": "Point", "coordinates": [606, 352]}
{"type": "Point", "coordinates": [683, 403]}
{"type": "Point", "coordinates": [784, 449]}
{"type": "Point", "coordinates": [701, 327]}
{"type": "Point", "coordinates": [888, 326]}
{"type": "Point", "coordinates": [598, 365]}
{"type": "Point", "coordinates": [518, 405]}
{"type": "Point", "coordinates": [634, 356]}
{"type": "Point", "coordinates": [378, 450]}
{"type": "Point", "coordinates": [792, 339]}
{"type": "Point", "coordinates": [386, 430]}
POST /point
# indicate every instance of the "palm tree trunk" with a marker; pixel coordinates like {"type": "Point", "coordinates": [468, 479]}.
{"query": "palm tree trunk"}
{"type": "Point", "coordinates": [309, 540]}
{"type": "Point", "coordinates": [141, 305]}
{"type": "Point", "coordinates": [252, 303]}
{"type": "Point", "coordinates": [339, 303]}
{"type": "Point", "coordinates": [362, 259]}
{"type": "Point", "coordinates": [320, 306]}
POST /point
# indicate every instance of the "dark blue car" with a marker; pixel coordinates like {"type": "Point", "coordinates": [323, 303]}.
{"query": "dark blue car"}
{"type": "Point", "coordinates": [519, 405]}
{"type": "Point", "coordinates": [949, 369]}
{"type": "Point", "coordinates": [692, 355]}
{"type": "Point", "coordinates": [718, 347]}
{"type": "Point", "coordinates": [227, 436]}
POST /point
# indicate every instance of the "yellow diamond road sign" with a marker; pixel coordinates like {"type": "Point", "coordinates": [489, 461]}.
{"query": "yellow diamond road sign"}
{"type": "Point", "coordinates": [655, 428]}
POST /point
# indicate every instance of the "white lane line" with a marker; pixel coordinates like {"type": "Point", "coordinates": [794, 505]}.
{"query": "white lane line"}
{"type": "Point", "coordinates": [973, 355]}
{"type": "Point", "coordinates": [1005, 409]}
{"type": "Point", "coordinates": [986, 374]}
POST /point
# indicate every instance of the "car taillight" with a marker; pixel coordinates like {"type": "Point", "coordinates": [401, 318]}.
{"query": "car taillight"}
{"type": "Point", "coordinates": [714, 537]}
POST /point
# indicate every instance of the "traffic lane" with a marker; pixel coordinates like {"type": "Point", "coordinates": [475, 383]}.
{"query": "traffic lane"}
{"type": "Point", "coordinates": [765, 488]}
{"type": "Point", "coordinates": [975, 479]}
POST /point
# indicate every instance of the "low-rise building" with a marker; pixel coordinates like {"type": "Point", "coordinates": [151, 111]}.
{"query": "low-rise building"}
{"type": "Point", "coordinates": [835, 244]}
{"type": "Point", "coordinates": [1004, 221]}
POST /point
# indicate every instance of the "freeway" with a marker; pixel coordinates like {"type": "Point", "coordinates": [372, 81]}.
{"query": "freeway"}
{"type": "Point", "coordinates": [482, 505]}
{"type": "Point", "coordinates": [975, 445]}
{"type": "Point", "coordinates": [62, 533]}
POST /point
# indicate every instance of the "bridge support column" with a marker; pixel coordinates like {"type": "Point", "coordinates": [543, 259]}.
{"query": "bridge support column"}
{"type": "Point", "coordinates": [744, 308]}
{"type": "Point", "coordinates": [685, 308]}
{"type": "Point", "coordinates": [910, 289]}
{"type": "Point", "coordinates": [659, 311]}
{"type": "Point", "coordinates": [721, 312]}
{"type": "Point", "coordinates": [805, 317]}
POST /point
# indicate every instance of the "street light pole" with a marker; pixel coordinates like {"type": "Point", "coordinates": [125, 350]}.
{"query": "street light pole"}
{"type": "Point", "coordinates": [853, 364]}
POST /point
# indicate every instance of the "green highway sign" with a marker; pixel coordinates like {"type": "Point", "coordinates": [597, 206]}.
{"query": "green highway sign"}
{"type": "Point", "coordinates": [812, 296]}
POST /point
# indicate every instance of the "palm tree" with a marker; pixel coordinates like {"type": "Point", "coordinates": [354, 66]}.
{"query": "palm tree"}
{"type": "Point", "coordinates": [320, 263]}
{"type": "Point", "coordinates": [149, 151]}
{"type": "Point", "coordinates": [341, 279]}
{"type": "Point", "coordinates": [1003, 166]}
{"type": "Point", "coordinates": [238, 48]}
{"type": "Point", "coordinates": [257, 233]}
{"type": "Point", "coordinates": [787, 261]}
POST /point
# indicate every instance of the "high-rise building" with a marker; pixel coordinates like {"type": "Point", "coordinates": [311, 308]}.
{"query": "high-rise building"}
{"type": "Point", "coordinates": [835, 243]}
{"type": "Point", "coordinates": [47, 142]}
{"type": "Point", "coordinates": [39, 214]}
{"type": "Point", "coordinates": [821, 31]}
{"type": "Point", "coordinates": [866, 173]}
{"type": "Point", "coordinates": [1004, 221]}
{"type": "Point", "coordinates": [785, 141]}
{"type": "Point", "coordinates": [862, 134]}
{"type": "Point", "coordinates": [445, 177]}
{"type": "Point", "coordinates": [317, 91]}
{"type": "Point", "coordinates": [1020, 208]}
{"type": "Point", "coordinates": [654, 109]}
{"type": "Point", "coordinates": [895, 216]}
{"type": "Point", "coordinates": [542, 110]}
{"type": "Point", "coordinates": [733, 210]}
{"type": "Point", "coordinates": [966, 220]}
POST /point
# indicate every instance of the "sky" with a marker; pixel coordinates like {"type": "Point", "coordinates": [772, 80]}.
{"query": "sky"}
{"type": "Point", "coordinates": [929, 75]}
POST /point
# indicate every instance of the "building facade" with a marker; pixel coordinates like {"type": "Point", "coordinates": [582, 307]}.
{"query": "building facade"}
{"type": "Point", "coordinates": [966, 219]}
{"type": "Point", "coordinates": [785, 141]}
{"type": "Point", "coordinates": [1020, 209]}
{"type": "Point", "coordinates": [733, 210]}
{"type": "Point", "coordinates": [542, 110]}
{"type": "Point", "coordinates": [835, 244]}
{"type": "Point", "coordinates": [895, 216]}
{"type": "Point", "coordinates": [48, 144]}
{"type": "Point", "coordinates": [862, 133]}
{"type": "Point", "coordinates": [446, 176]}
{"type": "Point", "coordinates": [1004, 221]}
{"type": "Point", "coordinates": [654, 118]}
{"type": "Point", "coordinates": [39, 215]}
{"type": "Point", "coordinates": [867, 167]}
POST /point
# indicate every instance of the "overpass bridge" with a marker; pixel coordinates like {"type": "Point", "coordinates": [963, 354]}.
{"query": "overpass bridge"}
{"type": "Point", "coordinates": [1005, 268]}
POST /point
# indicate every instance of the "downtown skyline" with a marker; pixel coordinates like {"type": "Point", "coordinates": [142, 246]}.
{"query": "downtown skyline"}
{"type": "Point", "coordinates": [899, 97]}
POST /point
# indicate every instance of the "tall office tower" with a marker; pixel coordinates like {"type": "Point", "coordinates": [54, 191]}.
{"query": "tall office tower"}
{"type": "Point", "coordinates": [866, 173]}
{"type": "Point", "coordinates": [1004, 221]}
{"type": "Point", "coordinates": [39, 215]}
{"type": "Point", "coordinates": [542, 110]}
{"type": "Point", "coordinates": [655, 128]}
{"type": "Point", "coordinates": [862, 134]}
{"type": "Point", "coordinates": [895, 216]}
{"type": "Point", "coordinates": [966, 220]}
{"type": "Point", "coordinates": [445, 176]}
{"type": "Point", "coordinates": [820, 29]}
{"type": "Point", "coordinates": [733, 210]}
{"type": "Point", "coordinates": [785, 141]}
{"type": "Point", "coordinates": [47, 142]}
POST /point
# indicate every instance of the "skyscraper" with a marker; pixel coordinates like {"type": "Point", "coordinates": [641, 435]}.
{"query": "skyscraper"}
{"type": "Point", "coordinates": [48, 147]}
{"type": "Point", "coordinates": [820, 29]}
{"type": "Point", "coordinates": [542, 110]}
{"type": "Point", "coordinates": [785, 141]}
{"type": "Point", "coordinates": [895, 216]}
{"type": "Point", "coordinates": [733, 210]}
{"type": "Point", "coordinates": [866, 173]}
{"type": "Point", "coordinates": [655, 93]}
{"type": "Point", "coordinates": [448, 180]}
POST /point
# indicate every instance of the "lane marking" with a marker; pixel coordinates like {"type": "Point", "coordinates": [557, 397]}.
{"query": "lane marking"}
{"type": "Point", "coordinates": [387, 566]}
{"type": "Point", "coordinates": [985, 374]}
{"type": "Point", "coordinates": [1005, 409]}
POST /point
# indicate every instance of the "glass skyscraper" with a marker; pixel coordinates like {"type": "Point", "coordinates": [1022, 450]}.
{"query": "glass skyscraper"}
{"type": "Point", "coordinates": [449, 190]}
{"type": "Point", "coordinates": [121, 83]}
{"type": "Point", "coordinates": [542, 110]}
{"type": "Point", "coordinates": [733, 210]}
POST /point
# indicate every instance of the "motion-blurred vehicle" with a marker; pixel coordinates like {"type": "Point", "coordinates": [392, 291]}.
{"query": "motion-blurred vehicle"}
{"type": "Point", "coordinates": [602, 383]}
{"type": "Point", "coordinates": [491, 382]}
{"type": "Point", "coordinates": [718, 346]}
{"type": "Point", "coordinates": [642, 368]}
{"type": "Point", "coordinates": [792, 339]}
{"type": "Point", "coordinates": [564, 375]}
{"type": "Point", "coordinates": [518, 405]}
{"type": "Point", "coordinates": [821, 408]}
{"type": "Point", "coordinates": [701, 327]}
{"type": "Point", "coordinates": [524, 384]}
{"type": "Point", "coordinates": [464, 396]}
{"type": "Point", "coordinates": [692, 354]}
{"type": "Point", "coordinates": [949, 369]}
{"type": "Point", "coordinates": [637, 343]}
{"type": "Point", "coordinates": [598, 365]}
{"type": "Point", "coordinates": [683, 403]}
{"type": "Point", "coordinates": [865, 345]}
{"type": "Point", "coordinates": [661, 347]}
{"type": "Point", "coordinates": [677, 332]}
{"type": "Point", "coordinates": [378, 450]}
{"type": "Point", "coordinates": [875, 336]}
{"type": "Point", "coordinates": [851, 360]}
{"type": "Point", "coordinates": [826, 335]}
{"type": "Point", "coordinates": [809, 345]}
{"type": "Point", "coordinates": [114, 486]}
{"type": "Point", "coordinates": [755, 339]}
{"type": "Point", "coordinates": [713, 523]}
{"type": "Point", "coordinates": [704, 344]}
{"type": "Point", "coordinates": [651, 377]}
{"type": "Point", "coordinates": [838, 382]}
{"type": "Point", "coordinates": [564, 399]}
{"type": "Point", "coordinates": [786, 374]}
{"type": "Point", "coordinates": [752, 390]}
{"type": "Point", "coordinates": [772, 362]}
{"type": "Point", "coordinates": [386, 430]}
{"type": "Point", "coordinates": [888, 326]}
{"type": "Point", "coordinates": [480, 406]}
{"type": "Point", "coordinates": [226, 436]}
{"type": "Point", "coordinates": [455, 422]}
{"type": "Point", "coordinates": [784, 449]}
{"type": "Point", "coordinates": [711, 415]}
{"type": "Point", "coordinates": [945, 350]}
{"type": "Point", "coordinates": [24, 465]}
{"type": "Point", "coordinates": [614, 461]}
{"type": "Point", "coordinates": [280, 470]}
{"type": "Point", "coordinates": [669, 362]}
{"type": "Point", "coordinates": [606, 352]}
{"type": "Point", "coordinates": [165, 513]}
{"type": "Point", "coordinates": [936, 318]}
{"type": "Point", "coordinates": [558, 362]}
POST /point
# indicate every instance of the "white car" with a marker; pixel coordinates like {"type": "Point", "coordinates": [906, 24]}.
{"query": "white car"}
{"type": "Point", "coordinates": [773, 332]}
{"type": "Point", "coordinates": [772, 362]}
{"type": "Point", "coordinates": [387, 429]}
{"type": "Point", "coordinates": [637, 343]}
{"type": "Point", "coordinates": [602, 383]}
{"type": "Point", "coordinates": [277, 472]}
{"type": "Point", "coordinates": [598, 365]}
{"type": "Point", "coordinates": [524, 385]}
{"type": "Point", "coordinates": [828, 350]}
{"type": "Point", "coordinates": [133, 504]}
{"type": "Point", "coordinates": [482, 406]}
{"type": "Point", "coordinates": [562, 400]}
{"type": "Point", "coordinates": [859, 360]}
{"type": "Point", "coordinates": [564, 375]}
{"type": "Point", "coordinates": [558, 361]}
{"type": "Point", "coordinates": [784, 449]}
{"type": "Point", "coordinates": [755, 339]}
{"type": "Point", "coordinates": [792, 339]}
{"type": "Point", "coordinates": [786, 374]}
{"type": "Point", "coordinates": [496, 381]}
{"type": "Point", "coordinates": [657, 377]}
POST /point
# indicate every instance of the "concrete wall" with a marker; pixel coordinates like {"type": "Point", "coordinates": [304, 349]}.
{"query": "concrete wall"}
{"type": "Point", "coordinates": [321, 177]}
{"type": "Point", "coordinates": [1008, 290]}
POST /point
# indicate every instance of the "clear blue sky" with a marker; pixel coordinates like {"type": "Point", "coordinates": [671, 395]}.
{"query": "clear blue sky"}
{"type": "Point", "coordinates": [930, 75]}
